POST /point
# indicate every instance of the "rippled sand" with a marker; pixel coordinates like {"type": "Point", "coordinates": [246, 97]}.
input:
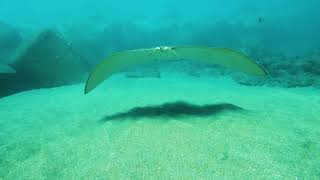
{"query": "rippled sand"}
{"type": "Point", "coordinates": [176, 127]}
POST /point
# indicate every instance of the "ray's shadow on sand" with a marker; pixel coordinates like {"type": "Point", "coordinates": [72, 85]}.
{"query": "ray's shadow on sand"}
{"type": "Point", "coordinates": [174, 110]}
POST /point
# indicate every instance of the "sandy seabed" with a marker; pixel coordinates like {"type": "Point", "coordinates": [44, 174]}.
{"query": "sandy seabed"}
{"type": "Point", "coordinates": [176, 127]}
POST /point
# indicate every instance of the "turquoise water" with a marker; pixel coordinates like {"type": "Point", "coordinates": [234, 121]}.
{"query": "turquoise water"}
{"type": "Point", "coordinates": [162, 120]}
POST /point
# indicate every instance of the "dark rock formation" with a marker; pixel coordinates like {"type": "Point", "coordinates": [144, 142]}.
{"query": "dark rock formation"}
{"type": "Point", "coordinates": [45, 61]}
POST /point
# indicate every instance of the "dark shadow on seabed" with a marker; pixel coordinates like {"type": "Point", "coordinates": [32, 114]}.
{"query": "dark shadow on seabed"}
{"type": "Point", "coordinates": [174, 110]}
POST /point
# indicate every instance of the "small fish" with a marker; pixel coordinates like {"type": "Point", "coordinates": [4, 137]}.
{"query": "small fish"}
{"type": "Point", "coordinates": [260, 19]}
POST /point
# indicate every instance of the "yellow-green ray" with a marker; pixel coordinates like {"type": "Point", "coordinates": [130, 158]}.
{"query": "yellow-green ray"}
{"type": "Point", "coordinates": [221, 56]}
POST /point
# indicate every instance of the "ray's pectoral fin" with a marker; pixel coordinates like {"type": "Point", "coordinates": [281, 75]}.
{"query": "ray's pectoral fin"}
{"type": "Point", "coordinates": [222, 56]}
{"type": "Point", "coordinates": [115, 63]}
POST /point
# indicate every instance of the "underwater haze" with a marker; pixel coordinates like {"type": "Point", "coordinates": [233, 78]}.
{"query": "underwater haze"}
{"type": "Point", "coordinates": [85, 93]}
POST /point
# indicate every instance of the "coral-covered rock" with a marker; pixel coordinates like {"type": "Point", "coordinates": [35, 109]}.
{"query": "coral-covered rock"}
{"type": "Point", "coordinates": [287, 72]}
